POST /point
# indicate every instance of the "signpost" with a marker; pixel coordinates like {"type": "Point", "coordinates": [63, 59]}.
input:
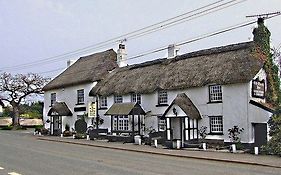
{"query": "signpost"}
{"type": "Point", "coordinates": [92, 110]}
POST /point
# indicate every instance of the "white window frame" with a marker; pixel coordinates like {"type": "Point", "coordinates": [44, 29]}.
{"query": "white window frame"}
{"type": "Point", "coordinates": [135, 97]}
{"type": "Point", "coordinates": [115, 127]}
{"type": "Point", "coordinates": [103, 101]}
{"type": "Point", "coordinates": [118, 99]}
{"type": "Point", "coordinates": [216, 124]}
{"type": "Point", "coordinates": [123, 122]}
{"type": "Point", "coordinates": [53, 98]}
{"type": "Point", "coordinates": [162, 97]}
{"type": "Point", "coordinates": [80, 96]}
{"type": "Point", "coordinates": [162, 124]}
{"type": "Point", "coordinates": [215, 93]}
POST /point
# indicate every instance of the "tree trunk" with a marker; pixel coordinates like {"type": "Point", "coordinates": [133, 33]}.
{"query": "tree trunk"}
{"type": "Point", "coordinates": [16, 114]}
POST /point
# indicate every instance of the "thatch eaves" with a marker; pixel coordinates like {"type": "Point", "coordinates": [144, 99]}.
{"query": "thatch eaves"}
{"type": "Point", "coordinates": [60, 109]}
{"type": "Point", "coordinates": [86, 69]}
{"type": "Point", "coordinates": [237, 63]}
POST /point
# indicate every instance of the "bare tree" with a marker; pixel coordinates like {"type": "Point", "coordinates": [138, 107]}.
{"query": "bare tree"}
{"type": "Point", "coordinates": [15, 88]}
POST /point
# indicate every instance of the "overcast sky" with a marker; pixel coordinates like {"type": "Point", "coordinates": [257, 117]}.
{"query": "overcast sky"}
{"type": "Point", "coordinates": [32, 30]}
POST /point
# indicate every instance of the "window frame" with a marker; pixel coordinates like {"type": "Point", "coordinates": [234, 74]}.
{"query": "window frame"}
{"type": "Point", "coordinates": [118, 99]}
{"type": "Point", "coordinates": [103, 101]}
{"type": "Point", "coordinates": [215, 95]}
{"type": "Point", "coordinates": [136, 98]}
{"type": "Point", "coordinates": [79, 96]}
{"type": "Point", "coordinates": [216, 128]}
{"type": "Point", "coordinates": [162, 100]}
{"type": "Point", "coordinates": [53, 98]}
{"type": "Point", "coordinates": [123, 123]}
{"type": "Point", "coordinates": [162, 123]}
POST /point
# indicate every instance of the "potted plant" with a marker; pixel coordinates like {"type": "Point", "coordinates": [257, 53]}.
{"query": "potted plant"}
{"type": "Point", "coordinates": [203, 134]}
{"type": "Point", "coordinates": [234, 135]}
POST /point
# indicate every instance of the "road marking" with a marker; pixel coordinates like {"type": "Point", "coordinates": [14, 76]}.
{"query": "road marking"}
{"type": "Point", "coordinates": [1, 168]}
{"type": "Point", "coordinates": [14, 173]}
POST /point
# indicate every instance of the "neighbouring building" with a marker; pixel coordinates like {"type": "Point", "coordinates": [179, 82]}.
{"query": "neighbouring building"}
{"type": "Point", "coordinates": [1, 108]}
{"type": "Point", "coordinates": [66, 97]}
{"type": "Point", "coordinates": [218, 88]}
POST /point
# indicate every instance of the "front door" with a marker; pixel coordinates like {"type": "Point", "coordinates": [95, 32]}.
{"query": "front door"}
{"type": "Point", "coordinates": [260, 131]}
{"type": "Point", "coordinates": [56, 125]}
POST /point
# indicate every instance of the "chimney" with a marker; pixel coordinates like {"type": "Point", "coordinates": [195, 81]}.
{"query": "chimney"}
{"type": "Point", "coordinates": [121, 56]}
{"type": "Point", "coordinates": [69, 63]}
{"type": "Point", "coordinates": [172, 51]}
{"type": "Point", "coordinates": [262, 36]}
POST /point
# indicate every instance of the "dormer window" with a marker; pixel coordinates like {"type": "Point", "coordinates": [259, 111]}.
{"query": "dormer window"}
{"type": "Point", "coordinates": [215, 93]}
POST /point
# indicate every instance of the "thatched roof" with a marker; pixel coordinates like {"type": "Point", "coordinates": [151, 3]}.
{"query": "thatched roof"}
{"type": "Point", "coordinates": [125, 109]}
{"type": "Point", "coordinates": [86, 69]}
{"type": "Point", "coordinates": [60, 109]}
{"type": "Point", "coordinates": [230, 64]}
{"type": "Point", "coordinates": [186, 105]}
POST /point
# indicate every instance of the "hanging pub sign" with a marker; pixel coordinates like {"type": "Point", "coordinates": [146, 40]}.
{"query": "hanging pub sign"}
{"type": "Point", "coordinates": [258, 88]}
{"type": "Point", "coordinates": [92, 110]}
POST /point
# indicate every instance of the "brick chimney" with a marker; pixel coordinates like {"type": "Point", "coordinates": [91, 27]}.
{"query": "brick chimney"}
{"type": "Point", "coordinates": [262, 36]}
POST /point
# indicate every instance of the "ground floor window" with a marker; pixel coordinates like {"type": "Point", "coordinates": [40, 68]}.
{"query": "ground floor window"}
{"type": "Point", "coordinates": [216, 124]}
{"type": "Point", "coordinates": [162, 124]}
{"type": "Point", "coordinates": [121, 123]}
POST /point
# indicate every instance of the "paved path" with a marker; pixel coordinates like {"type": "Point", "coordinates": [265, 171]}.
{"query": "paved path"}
{"type": "Point", "coordinates": [261, 160]}
{"type": "Point", "coordinates": [22, 153]}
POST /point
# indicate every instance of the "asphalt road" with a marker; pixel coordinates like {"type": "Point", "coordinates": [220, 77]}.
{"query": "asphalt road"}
{"type": "Point", "coordinates": [23, 154]}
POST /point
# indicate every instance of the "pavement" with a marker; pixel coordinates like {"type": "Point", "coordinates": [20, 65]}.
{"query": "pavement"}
{"type": "Point", "coordinates": [239, 158]}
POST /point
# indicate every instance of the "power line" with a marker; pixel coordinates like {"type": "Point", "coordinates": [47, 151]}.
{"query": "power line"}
{"type": "Point", "coordinates": [52, 59]}
{"type": "Point", "coordinates": [204, 36]}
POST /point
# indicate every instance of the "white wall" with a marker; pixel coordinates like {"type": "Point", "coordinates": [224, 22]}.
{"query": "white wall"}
{"type": "Point", "coordinates": [69, 96]}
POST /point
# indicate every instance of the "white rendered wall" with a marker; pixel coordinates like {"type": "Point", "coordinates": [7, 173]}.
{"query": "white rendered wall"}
{"type": "Point", "coordinates": [69, 96]}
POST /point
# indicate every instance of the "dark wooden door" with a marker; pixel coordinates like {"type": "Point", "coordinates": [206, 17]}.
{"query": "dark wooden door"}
{"type": "Point", "coordinates": [260, 134]}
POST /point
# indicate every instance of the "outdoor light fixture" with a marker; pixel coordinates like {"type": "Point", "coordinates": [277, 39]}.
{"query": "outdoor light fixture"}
{"type": "Point", "coordinates": [175, 111]}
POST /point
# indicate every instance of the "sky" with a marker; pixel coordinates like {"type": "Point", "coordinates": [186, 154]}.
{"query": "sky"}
{"type": "Point", "coordinates": [32, 30]}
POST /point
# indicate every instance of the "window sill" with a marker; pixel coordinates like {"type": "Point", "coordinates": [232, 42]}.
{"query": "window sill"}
{"type": "Point", "coordinates": [211, 133]}
{"type": "Point", "coordinates": [103, 108]}
{"type": "Point", "coordinates": [160, 105]}
{"type": "Point", "coordinates": [79, 103]}
{"type": "Point", "coordinates": [214, 102]}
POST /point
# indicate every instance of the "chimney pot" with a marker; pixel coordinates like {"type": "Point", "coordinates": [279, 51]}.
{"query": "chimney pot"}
{"type": "Point", "coordinates": [172, 51]}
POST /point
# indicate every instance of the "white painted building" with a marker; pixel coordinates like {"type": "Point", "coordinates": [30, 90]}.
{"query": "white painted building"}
{"type": "Point", "coordinates": [66, 97]}
{"type": "Point", "coordinates": [218, 88]}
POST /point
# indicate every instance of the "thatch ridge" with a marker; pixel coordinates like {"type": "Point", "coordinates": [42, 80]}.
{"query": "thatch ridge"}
{"type": "Point", "coordinates": [236, 63]}
{"type": "Point", "coordinates": [86, 69]}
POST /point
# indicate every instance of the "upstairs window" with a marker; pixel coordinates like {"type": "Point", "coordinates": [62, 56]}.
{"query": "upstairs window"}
{"type": "Point", "coordinates": [53, 98]}
{"type": "Point", "coordinates": [216, 125]}
{"type": "Point", "coordinates": [118, 99]}
{"type": "Point", "coordinates": [80, 96]}
{"type": "Point", "coordinates": [136, 98]}
{"type": "Point", "coordinates": [162, 97]}
{"type": "Point", "coordinates": [103, 102]}
{"type": "Point", "coordinates": [215, 93]}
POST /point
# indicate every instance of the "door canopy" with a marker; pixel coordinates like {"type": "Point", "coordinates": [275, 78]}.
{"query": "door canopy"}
{"type": "Point", "coordinates": [59, 109]}
{"type": "Point", "coordinates": [125, 109]}
{"type": "Point", "coordinates": [185, 105]}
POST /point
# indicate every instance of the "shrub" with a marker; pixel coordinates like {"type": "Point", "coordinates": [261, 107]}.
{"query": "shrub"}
{"type": "Point", "coordinates": [234, 134]}
{"type": "Point", "coordinates": [9, 127]}
{"type": "Point", "coordinates": [203, 132]}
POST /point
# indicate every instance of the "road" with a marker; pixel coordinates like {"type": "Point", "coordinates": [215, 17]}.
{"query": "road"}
{"type": "Point", "coordinates": [22, 154]}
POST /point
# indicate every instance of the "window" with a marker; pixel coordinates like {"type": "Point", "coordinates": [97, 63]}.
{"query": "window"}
{"type": "Point", "coordinates": [216, 125]}
{"type": "Point", "coordinates": [162, 97]}
{"type": "Point", "coordinates": [162, 124]}
{"type": "Point", "coordinates": [53, 98]}
{"type": "Point", "coordinates": [80, 96]}
{"type": "Point", "coordinates": [136, 98]}
{"type": "Point", "coordinates": [115, 123]}
{"type": "Point", "coordinates": [103, 102]}
{"type": "Point", "coordinates": [118, 99]}
{"type": "Point", "coordinates": [123, 123]}
{"type": "Point", "coordinates": [215, 93]}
